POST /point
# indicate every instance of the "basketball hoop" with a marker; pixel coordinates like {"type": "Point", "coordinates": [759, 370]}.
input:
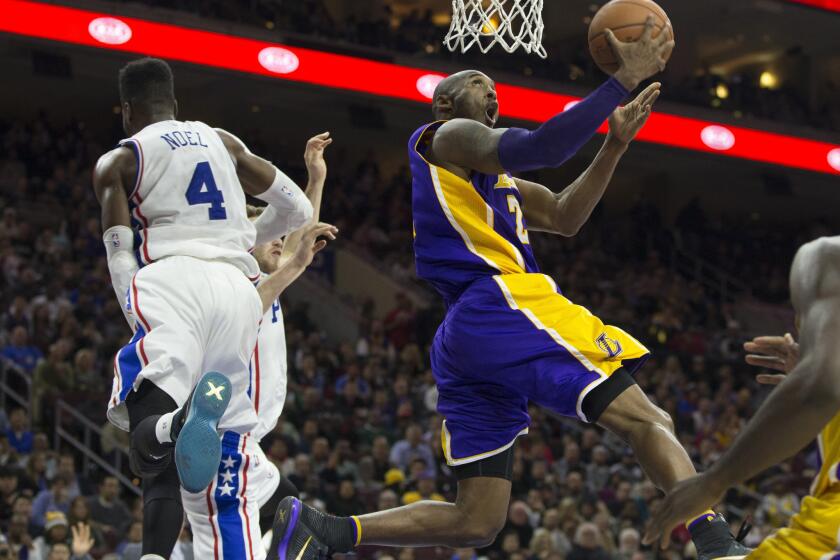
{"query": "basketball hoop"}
{"type": "Point", "coordinates": [508, 23]}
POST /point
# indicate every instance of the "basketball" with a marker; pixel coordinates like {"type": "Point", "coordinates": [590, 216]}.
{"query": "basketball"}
{"type": "Point", "coordinates": [626, 18]}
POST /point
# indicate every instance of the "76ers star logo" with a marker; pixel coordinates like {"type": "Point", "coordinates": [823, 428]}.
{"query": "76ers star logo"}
{"type": "Point", "coordinates": [610, 346]}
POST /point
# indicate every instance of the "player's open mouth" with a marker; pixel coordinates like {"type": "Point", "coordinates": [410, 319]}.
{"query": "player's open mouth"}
{"type": "Point", "coordinates": [492, 113]}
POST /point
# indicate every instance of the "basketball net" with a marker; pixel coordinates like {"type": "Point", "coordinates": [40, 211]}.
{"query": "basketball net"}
{"type": "Point", "coordinates": [508, 23]}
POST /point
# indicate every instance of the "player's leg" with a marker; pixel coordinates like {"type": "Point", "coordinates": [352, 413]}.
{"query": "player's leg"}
{"type": "Point", "coordinates": [620, 406]}
{"type": "Point", "coordinates": [474, 520]}
{"type": "Point", "coordinates": [225, 517]}
{"type": "Point", "coordinates": [163, 513]}
{"type": "Point", "coordinates": [232, 334]}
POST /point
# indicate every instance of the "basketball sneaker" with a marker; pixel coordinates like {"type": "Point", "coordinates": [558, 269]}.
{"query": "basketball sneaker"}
{"type": "Point", "coordinates": [713, 539]}
{"type": "Point", "coordinates": [198, 448]}
{"type": "Point", "coordinates": [293, 532]}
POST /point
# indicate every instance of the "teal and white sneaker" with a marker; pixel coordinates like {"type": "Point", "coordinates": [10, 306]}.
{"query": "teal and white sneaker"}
{"type": "Point", "coordinates": [198, 448]}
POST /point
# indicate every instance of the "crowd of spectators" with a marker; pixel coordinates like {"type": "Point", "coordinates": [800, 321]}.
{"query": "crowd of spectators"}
{"type": "Point", "coordinates": [419, 33]}
{"type": "Point", "coordinates": [359, 431]}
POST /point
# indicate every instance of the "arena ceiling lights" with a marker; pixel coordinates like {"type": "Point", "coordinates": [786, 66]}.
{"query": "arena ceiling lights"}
{"type": "Point", "coordinates": [241, 54]}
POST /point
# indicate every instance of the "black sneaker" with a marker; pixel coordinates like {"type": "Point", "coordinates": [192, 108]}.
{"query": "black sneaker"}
{"type": "Point", "coordinates": [292, 538]}
{"type": "Point", "coordinates": [713, 539]}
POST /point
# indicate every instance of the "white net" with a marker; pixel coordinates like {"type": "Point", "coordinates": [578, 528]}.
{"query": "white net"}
{"type": "Point", "coordinates": [508, 23]}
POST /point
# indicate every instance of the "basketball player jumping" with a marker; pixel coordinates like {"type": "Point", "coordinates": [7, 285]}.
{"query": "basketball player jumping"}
{"type": "Point", "coordinates": [509, 336]}
{"type": "Point", "coordinates": [179, 185]}
{"type": "Point", "coordinates": [229, 518]}
{"type": "Point", "coordinates": [805, 404]}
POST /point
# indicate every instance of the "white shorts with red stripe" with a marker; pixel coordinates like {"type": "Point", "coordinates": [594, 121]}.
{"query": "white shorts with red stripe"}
{"type": "Point", "coordinates": [225, 519]}
{"type": "Point", "coordinates": [191, 316]}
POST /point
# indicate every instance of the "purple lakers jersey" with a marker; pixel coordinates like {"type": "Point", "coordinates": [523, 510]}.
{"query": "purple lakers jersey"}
{"type": "Point", "coordinates": [464, 230]}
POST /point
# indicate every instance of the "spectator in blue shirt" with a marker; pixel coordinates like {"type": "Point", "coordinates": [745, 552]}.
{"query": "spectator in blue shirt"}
{"type": "Point", "coordinates": [55, 499]}
{"type": "Point", "coordinates": [20, 353]}
{"type": "Point", "coordinates": [19, 435]}
{"type": "Point", "coordinates": [412, 447]}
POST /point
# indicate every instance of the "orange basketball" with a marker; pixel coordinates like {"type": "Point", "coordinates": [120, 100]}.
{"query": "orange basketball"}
{"type": "Point", "coordinates": [626, 18]}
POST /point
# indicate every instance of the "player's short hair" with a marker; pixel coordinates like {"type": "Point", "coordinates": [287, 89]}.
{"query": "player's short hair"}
{"type": "Point", "coordinates": [148, 82]}
{"type": "Point", "coordinates": [254, 211]}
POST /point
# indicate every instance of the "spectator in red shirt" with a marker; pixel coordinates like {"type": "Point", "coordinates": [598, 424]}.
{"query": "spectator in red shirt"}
{"type": "Point", "coordinates": [399, 322]}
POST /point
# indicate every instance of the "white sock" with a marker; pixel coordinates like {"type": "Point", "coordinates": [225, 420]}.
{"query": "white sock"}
{"type": "Point", "coordinates": [163, 427]}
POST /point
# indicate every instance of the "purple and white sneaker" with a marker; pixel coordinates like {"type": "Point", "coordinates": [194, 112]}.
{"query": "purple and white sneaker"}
{"type": "Point", "coordinates": [292, 538]}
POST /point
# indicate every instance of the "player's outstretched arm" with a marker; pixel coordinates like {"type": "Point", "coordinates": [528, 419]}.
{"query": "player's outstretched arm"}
{"type": "Point", "coordinates": [289, 208]}
{"type": "Point", "coordinates": [794, 413]}
{"type": "Point", "coordinates": [566, 212]}
{"type": "Point", "coordinates": [290, 268]}
{"type": "Point", "coordinates": [110, 182]}
{"type": "Point", "coordinates": [316, 168]}
{"type": "Point", "coordinates": [474, 146]}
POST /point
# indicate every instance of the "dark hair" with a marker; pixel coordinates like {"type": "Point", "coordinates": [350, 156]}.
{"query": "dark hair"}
{"type": "Point", "coordinates": [147, 82]}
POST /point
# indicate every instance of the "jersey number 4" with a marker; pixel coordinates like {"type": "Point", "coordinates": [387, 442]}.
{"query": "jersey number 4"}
{"type": "Point", "coordinates": [203, 190]}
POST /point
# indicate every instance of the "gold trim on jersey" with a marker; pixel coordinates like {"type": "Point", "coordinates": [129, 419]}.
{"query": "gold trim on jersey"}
{"type": "Point", "coordinates": [470, 215]}
{"type": "Point", "coordinates": [446, 441]}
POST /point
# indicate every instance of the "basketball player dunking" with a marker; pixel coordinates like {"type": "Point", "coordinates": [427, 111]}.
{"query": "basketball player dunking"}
{"type": "Point", "coordinates": [509, 336]}
{"type": "Point", "coordinates": [804, 405]}
{"type": "Point", "coordinates": [178, 238]}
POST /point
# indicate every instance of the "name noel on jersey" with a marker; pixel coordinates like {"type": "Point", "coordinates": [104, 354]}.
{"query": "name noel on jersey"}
{"type": "Point", "coordinates": [178, 139]}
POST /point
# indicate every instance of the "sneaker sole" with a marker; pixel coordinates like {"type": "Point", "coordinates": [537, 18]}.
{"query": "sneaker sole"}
{"type": "Point", "coordinates": [198, 449]}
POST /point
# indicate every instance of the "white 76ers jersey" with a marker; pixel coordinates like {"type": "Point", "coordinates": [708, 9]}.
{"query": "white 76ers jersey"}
{"type": "Point", "coordinates": [187, 199]}
{"type": "Point", "coordinates": [268, 372]}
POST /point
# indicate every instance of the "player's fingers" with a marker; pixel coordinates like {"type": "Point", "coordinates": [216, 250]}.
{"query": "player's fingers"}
{"type": "Point", "coordinates": [318, 246]}
{"type": "Point", "coordinates": [770, 379]}
{"type": "Point", "coordinates": [665, 35]}
{"type": "Point", "coordinates": [648, 32]}
{"type": "Point", "coordinates": [769, 362]}
{"type": "Point", "coordinates": [612, 40]}
{"type": "Point", "coordinates": [648, 92]}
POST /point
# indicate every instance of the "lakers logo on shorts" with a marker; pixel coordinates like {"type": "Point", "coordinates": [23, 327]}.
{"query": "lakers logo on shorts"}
{"type": "Point", "coordinates": [609, 346]}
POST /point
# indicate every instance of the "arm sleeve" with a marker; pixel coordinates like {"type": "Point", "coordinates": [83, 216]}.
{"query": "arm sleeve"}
{"type": "Point", "coordinates": [560, 137]}
{"type": "Point", "coordinates": [288, 209]}
{"type": "Point", "coordinates": [119, 248]}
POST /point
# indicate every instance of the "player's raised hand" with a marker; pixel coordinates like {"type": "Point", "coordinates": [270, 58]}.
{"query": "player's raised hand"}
{"type": "Point", "coordinates": [641, 59]}
{"type": "Point", "coordinates": [780, 353]}
{"type": "Point", "coordinates": [311, 243]}
{"type": "Point", "coordinates": [627, 121]}
{"type": "Point", "coordinates": [314, 156]}
{"type": "Point", "coordinates": [685, 501]}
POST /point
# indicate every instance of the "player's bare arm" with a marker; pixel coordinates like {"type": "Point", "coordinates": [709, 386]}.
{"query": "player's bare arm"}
{"type": "Point", "coordinates": [255, 173]}
{"type": "Point", "coordinates": [291, 268]}
{"type": "Point", "coordinates": [797, 410]}
{"type": "Point", "coordinates": [303, 243]}
{"type": "Point", "coordinates": [112, 182]}
{"type": "Point", "coordinates": [470, 143]}
{"type": "Point", "coordinates": [112, 178]}
{"type": "Point", "coordinates": [565, 212]}
{"type": "Point", "coordinates": [288, 207]}
{"type": "Point", "coordinates": [316, 168]}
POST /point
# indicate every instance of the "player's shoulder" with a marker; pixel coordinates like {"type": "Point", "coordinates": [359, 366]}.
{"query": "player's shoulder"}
{"type": "Point", "coordinates": [423, 135]}
{"type": "Point", "coordinates": [823, 251]}
{"type": "Point", "coordinates": [120, 158]}
{"type": "Point", "coordinates": [816, 269]}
